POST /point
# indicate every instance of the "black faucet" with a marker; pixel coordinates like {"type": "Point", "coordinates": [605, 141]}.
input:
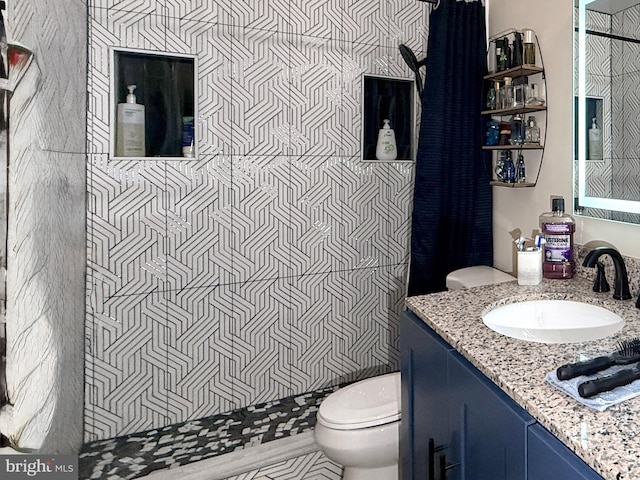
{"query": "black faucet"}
{"type": "Point", "coordinates": [621, 286]}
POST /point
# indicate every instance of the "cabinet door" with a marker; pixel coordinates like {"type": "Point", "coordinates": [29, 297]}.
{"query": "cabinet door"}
{"type": "Point", "coordinates": [424, 397]}
{"type": "Point", "coordinates": [548, 458]}
{"type": "Point", "coordinates": [489, 428]}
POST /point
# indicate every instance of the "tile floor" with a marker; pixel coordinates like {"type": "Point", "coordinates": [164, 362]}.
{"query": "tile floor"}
{"type": "Point", "coordinates": [312, 466]}
{"type": "Point", "coordinates": [140, 454]}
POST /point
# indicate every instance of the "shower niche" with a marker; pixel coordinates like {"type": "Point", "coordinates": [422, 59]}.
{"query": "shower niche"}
{"type": "Point", "coordinates": [388, 98]}
{"type": "Point", "coordinates": [162, 122]}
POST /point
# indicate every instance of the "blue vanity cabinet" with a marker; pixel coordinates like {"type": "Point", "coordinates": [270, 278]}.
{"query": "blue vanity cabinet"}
{"type": "Point", "coordinates": [490, 429]}
{"type": "Point", "coordinates": [549, 458]}
{"type": "Point", "coordinates": [425, 398]}
{"type": "Point", "coordinates": [458, 425]}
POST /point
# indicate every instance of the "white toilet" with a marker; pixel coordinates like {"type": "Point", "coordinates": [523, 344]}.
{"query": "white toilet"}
{"type": "Point", "coordinates": [476, 277]}
{"type": "Point", "coordinates": [358, 426]}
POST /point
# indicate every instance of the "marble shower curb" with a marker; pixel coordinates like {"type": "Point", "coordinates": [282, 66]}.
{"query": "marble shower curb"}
{"type": "Point", "coordinates": [241, 461]}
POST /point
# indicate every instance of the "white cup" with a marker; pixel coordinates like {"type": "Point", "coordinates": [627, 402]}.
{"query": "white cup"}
{"type": "Point", "coordinates": [530, 267]}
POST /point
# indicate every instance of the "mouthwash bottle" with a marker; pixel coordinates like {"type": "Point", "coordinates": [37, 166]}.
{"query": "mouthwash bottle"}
{"type": "Point", "coordinates": [557, 228]}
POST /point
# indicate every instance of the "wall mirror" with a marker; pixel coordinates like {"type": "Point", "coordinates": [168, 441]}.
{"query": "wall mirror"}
{"type": "Point", "coordinates": [607, 88]}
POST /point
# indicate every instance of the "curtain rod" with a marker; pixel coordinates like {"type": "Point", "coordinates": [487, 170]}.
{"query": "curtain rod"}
{"type": "Point", "coordinates": [438, 1]}
{"type": "Point", "coordinates": [610, 36]}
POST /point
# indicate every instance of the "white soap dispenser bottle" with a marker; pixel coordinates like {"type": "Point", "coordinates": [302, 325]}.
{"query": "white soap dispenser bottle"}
{"type": "Point", "coordinates": [595, 141]}
{"type": "Point", "coordinates": [130, 127]}
{"type": "Point", "coordinates": [386, 147]}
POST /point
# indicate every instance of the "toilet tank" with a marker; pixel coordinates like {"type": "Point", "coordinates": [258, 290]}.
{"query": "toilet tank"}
{"type": "Point", "coordinates": [476, 277]}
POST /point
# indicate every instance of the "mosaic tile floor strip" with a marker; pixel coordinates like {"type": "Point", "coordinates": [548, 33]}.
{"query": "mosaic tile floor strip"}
{"type": "Point", "coordinates": [139, 454]}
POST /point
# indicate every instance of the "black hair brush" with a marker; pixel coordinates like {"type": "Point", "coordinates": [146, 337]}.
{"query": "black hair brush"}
{"type": "Point", "coordinates": [603, 384]}
{"type": "Point", "coordinates": [628, 352]}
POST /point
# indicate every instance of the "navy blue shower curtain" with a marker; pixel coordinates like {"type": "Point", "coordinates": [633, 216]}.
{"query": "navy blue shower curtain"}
{"type": "Point", "coordinates": [452, 203]}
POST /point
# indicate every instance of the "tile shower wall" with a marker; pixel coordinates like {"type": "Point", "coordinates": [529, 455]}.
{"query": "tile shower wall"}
{"type": "Point", "coordinates": [275, 262]}
{"type": "Point", "coordinates": [598, 85]}
{"type": "Point", "coordinates": [625, 106]}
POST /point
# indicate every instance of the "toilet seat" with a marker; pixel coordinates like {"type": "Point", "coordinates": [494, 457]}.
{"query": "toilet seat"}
{"type": "Point", "coordinates": [477, 276]}
{"type": "Point", "coordinates": [367, 403]}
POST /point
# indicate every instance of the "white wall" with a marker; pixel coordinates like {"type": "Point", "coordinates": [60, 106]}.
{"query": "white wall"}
{"type": "Point", "coordinates": [552, 20]}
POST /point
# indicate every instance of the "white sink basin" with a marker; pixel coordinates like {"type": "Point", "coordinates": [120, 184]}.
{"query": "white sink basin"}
{"type": "Point", "coordinates": [553, 321]}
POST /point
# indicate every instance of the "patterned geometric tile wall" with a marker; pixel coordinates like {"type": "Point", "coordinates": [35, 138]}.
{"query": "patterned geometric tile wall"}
{"type": "Point", "coordinates": [625, 69]}
{"type": "Point", "coordinates": [275, 262]}
{"type": "Point", "coordinates": [598, 85]}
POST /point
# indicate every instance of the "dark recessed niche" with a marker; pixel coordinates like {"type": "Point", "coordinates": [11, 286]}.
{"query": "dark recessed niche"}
{"type": "Point", "coordinates": [165, 86]}
{"type": "Point", "coordinates": [594, 108]}
{"type": "Point", "coordinates": [393, 99]}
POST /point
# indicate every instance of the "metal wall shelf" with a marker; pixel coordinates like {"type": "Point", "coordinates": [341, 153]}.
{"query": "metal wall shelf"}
{"type": "Point", "coordinates": [519, 71]}
{"type": "Point", "coordinates": [512, 110]}
{"type": "Point", "coordinates": [515, 72]}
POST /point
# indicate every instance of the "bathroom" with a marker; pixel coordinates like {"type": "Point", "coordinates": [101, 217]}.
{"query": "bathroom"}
{"type": "Point", "coordinates": [336, 320]}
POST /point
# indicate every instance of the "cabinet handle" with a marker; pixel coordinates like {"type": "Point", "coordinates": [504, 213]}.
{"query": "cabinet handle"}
{"type": "Point", "coordinates": [444, 467]}
{"type": "Point", "coordinates": [432, 460]}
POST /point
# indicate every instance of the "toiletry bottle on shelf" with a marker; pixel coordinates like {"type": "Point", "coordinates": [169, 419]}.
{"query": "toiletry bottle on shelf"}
{"type": "Point", "coordinates": [516, 55]}
{"type": "Point", "coordinates": [535, 97]}
{"type": "Point", "coordinates": [517, 130]}
{"type": "Point", "coordinates": [499, 169]}
{"type": "Point", "coordinates": [558, 228]}
{"type": "Point", "coordinates": [130, 131]}
{"type": "Point", "coordinates": [507, 53]}
{"type": "Point", "coordinates": [529, 47]}
{"type": "Point", "coordinates": [532, 132]}
{"type": "Point", "coordinates": [506, 94]}
{"type": "Point", "coordinates": [508, 168]}
{"type": "Point", "coordinates": [521, 174]}
{"type": "Point", "coordinates": [504, 133]}
{"type": "Point", "coordinates": [519, 94]}
{"type": "Point", "coordinates": [386, 147]}
{"type": "Point", "coordinates": [501, 58]}
{"type": "Point", "coordinates": [595, 141]}
{"type": "Point", "coordinates": [492, 97]}
{"type": "Point", "coordinates": [493, 133]}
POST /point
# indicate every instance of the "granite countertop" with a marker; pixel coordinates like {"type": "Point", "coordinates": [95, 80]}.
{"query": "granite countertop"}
{"type": "Point", "coordinates": [608, 441]}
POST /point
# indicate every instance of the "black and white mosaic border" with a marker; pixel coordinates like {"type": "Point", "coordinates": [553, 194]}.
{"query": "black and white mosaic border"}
{"type": "Point", "coordinates": [139, 454]}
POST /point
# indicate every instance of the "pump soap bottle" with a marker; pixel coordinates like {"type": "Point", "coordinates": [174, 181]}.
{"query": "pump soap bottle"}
{"type": "Point", "coordinates": [130, 127]}
{"type": "Point", "coordinates": [558, 228]}
{"type": "Point", "coordinates": [386, 147]}
{"type": "Point", "coordinates": [595, 141]}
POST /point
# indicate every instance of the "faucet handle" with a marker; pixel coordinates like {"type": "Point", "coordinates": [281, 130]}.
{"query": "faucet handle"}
{"type": "Point", "coordinates": [600, 284]}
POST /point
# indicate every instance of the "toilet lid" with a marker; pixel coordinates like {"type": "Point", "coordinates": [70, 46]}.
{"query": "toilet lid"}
{"type": "Point", "coordinates": [367, 403]}
{"type": "Point", "coordinates": [475, 277]}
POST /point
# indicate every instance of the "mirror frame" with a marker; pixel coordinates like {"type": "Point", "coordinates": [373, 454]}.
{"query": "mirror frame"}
{"type": "Point", "coordinates": [584, 200]}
